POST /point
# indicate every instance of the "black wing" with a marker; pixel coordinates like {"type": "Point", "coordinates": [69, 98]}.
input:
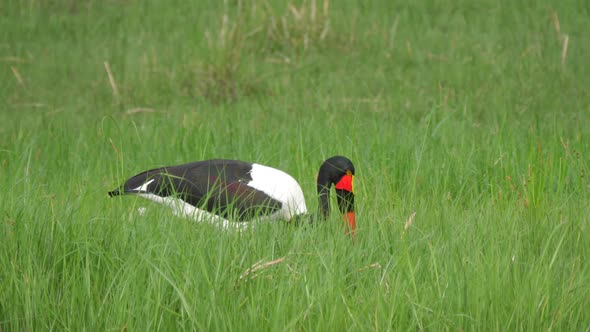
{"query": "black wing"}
{"type": "Point", "coordinates": [218, 186]}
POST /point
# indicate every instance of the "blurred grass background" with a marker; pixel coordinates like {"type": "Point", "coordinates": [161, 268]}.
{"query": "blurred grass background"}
{"type": "Point", "coordinates": [472, 115]}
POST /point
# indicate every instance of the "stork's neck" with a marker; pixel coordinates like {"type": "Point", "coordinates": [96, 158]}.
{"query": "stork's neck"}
{"type": "Point", "coordinates": [324, 185]}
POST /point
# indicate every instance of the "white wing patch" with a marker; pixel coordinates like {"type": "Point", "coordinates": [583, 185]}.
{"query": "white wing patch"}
{"type": "Point", "coordinates": [280, 186]}
{"type": "Point", "coordinates": [143, 187]}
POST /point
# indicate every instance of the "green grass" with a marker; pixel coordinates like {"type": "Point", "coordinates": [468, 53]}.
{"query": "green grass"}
{"type": "Point", "coordinates": [467, 114]}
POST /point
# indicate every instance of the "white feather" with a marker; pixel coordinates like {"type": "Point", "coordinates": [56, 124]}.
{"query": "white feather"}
{"type": "Point", "coordinates": [143, 187]}
{"type": "Point", "coordinates": [182, 209]}
{"type": "Point", "coordinates": [280, 186]}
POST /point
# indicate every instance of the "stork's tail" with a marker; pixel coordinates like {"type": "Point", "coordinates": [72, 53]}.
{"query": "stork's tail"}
{"type": "Point", "coordinates": [115, 192]}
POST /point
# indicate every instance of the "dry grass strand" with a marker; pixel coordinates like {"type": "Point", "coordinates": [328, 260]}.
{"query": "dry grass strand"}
{"type": "Point", "coordinates": [112, 82]}
{"type": "Point", "coordinates": [251, 272]}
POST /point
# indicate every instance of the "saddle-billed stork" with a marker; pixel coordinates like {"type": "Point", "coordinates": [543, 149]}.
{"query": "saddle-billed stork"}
{"type": "Point", "coordinates": [226, 191]}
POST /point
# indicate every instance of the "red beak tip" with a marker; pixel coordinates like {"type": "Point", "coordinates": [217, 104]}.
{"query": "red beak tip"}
{"type": "Point", "coordinates": [350, 219]}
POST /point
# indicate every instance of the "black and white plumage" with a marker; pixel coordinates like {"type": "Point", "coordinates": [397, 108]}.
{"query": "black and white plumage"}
{"type": "Point", "coordinates": [221, 190]}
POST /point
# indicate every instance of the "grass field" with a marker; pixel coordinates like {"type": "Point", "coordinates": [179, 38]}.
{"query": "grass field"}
{"type": "Point", "coordinates": [472, 115]}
